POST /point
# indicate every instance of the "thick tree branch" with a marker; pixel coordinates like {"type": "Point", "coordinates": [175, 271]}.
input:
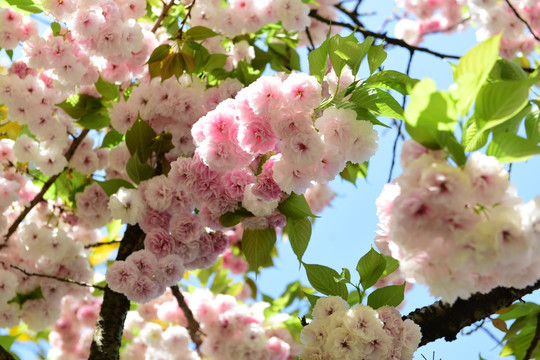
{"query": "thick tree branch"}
{"type": "Point", "coordinates": [522, 20]}
{"type": "Point", "coordinates": [442, 320]}
{"type": "Point", "coordinates": [39, 197]}
{"type": "Point", "coordinates": [193, 326]}
{"type": "Point", "coordinates": [5, 355]}
{"type": "Point", "coordinates": [69, 281]}
{"type": "Point", "coordinates": [387, 39]}
{"type": "Point", "coordinates": [110, 324]}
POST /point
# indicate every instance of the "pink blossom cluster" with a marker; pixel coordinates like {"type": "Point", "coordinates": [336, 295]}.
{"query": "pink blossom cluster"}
{"type": "Point", "coordinates": [238, 331]}
{"type": "Point", "coordinates": [431, 16]}
{"type": "Point", "coordinates": [30, 99]}
{"type": "Point", "coordinates": [318, 197]}
{"type": "Point", "coordinates": [489, 16]}
{"type": "Point", "coordinates": [318, 30]}
{"type": "Point", "coordinates": [92, 207]}
{"type": "Point", "coordinates": [72, 334]}
{"type": "Point", "coordinates": [272, 121]}
{"type": "Point", "coordinates": [171, 106]}
{"type": "Point", "coordinates": [342, 333]}
{"type": "Point", "coordinates": [493, 17]}
{"type": "Point", "coordinates": [232, 330]}
{"type": "Point", "coordinates": [175, 239]}
{"type": "Point", "coordinates": [15, 28]}
{"type": "Point", "coordinates": [101, 38]}
{"type": "Point", "coordinates": [459, 230]}
{"type": "Point", "coordinates": [43, 249]}
{"type": "Point", "coordinates": [248, 16]}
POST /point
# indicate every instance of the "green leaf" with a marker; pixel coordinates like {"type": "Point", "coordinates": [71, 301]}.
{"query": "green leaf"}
{"type": "Point", "coordinates": [498, 102]}
{"type": "Point", "coordinates": [354, 171]}
{"type": "Point", "coordinates": [322, 279]}
{"type": "Point", "coordinates": [520, 310]}
{"type": "Point", "coordinates": [6, 341]}
{"type": "Point", "coordinates": [474, 139]}
{"type": "Point", "coordinates": [56, 28]}
{"type": "Point", "coordinates": [76, 105]}
{"type": "Point", "coordinates": [107, 89]}
{"type": "Point", "coordinates": [318, 65]}
{"type": "Point", "coordinates": [200, 33]}
{"type": "Point", "coordinates": [257, 246]}
{"type": "Point", "coordinates": [10, 54]}
{"type": "Point", "coordinates": [378, 101]}
{"type": "Point", "coordinates": [97, 120]}
{"type": "Point", "coordinates": [113, 185]}
{"type": "Point", "coordinates": [231, 218]}
{"type": "Point", "coordinates": [451, 146]}
{"type": "Point", "coordinates": [21, 298]}
{"type": "Point", "coordinates": [295, 206]}
{"type": "Point", "coordinates": [509, 70]}
{"type": "Point", "coordinates": [159, 53]}
{"type": "Point", "coordinates": [507, 147]}
{"type": "Point", "coordinates": [391, 265]}
{"type": "Point", "coordinates": [391, 295]}
{"type": "Point", "coordinates": [137, 170]}
{"type": "Point", "coordinates": [376, 56]}
{"type": "Point", "coordinates": [353, 52]}
{"type": "Point", "coordinates": [26, 6]}
{"type": "Point", "coordinates": [215, 61]}
{"type": "Point", "coordinates": [391, 80]}
{"type": "Point", "coordinates": [335, 45]}
{"type": "Point", "coordinates": [138, 138]}
{"type": "Point", "coordinates": [111, 139]}
{"type": "Point", "coordinates": [532, 126]}
{"type": "Point", "coordinates": [429, 111]}
{"type": "Point", "coordinates": [299, 233]}
{"type": "Point", "coordinates": [473, 69]}
{"type": "Point", "coordinates": [370, 268]}
{"type": "Point", "coordinates": [312, 298]}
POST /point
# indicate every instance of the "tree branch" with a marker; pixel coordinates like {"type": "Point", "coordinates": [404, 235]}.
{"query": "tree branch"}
{"type": "Point", "coordinates": [5, 355]}
{"type": "Point", "coordinates": [110, 324]}
{"type": "Point", "coordinates": [389, 40]}
{"type": "Point", "coordinates": [442, 320]}
{"type": "Point", "coordinates": [164, 12]}
{"type": "Point", "coordinates": [193, 326]}
{"type": "Point", "coordinates": [39, 197]}
{"type": "Point", "coordinates": [69, 281]}
{"type": "Point", "coordinates": [102, 244]}
{"type": "Point", "coordinates": [534, 341]}
{"type": "Point", "coordinates": [522, 20]}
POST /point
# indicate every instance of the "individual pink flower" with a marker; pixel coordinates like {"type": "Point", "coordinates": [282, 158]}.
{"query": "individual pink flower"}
{"type": "Point", "coordinates": [122, 275]}
{"type": "Point", "coordinates": [159, 242]}
{"type": "Point", "coordinates": [186, 228]}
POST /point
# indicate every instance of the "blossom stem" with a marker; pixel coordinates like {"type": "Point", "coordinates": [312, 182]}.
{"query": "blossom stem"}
{"type": "Point", "coordinates": [193, 326]}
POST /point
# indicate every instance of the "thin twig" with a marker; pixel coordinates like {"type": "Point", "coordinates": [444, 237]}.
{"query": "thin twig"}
{"type": "Point", "coordinates": [164, 12]}
{"type": "Point", "coordinates": [69, 281]}
{"type": "Point", "coordinates": [534, 342]}
{"type": "Point", "coordinates": [102, 244]}
{"type": "Point", "coordinates": [39, 197]}
{"type": "Point", "coordinates": [193, 325]}
{"type": "Point", "coordinates": [399, 124]}
{"type": "Point", "coordinates": [310, 49]}
{"type": "Point", "coordinates": [389, 40]}
{"type": "Point", "coordinates": [184, 20]}
{"type": "Point", "coordinates": [522, 20]}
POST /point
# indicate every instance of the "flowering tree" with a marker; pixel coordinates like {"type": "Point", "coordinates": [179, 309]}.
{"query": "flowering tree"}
{"type": "Point", "coordinates": [145, 150]}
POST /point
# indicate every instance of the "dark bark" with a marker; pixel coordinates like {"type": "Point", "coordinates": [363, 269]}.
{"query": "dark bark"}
{"type": "Point", "coordinates": [442, 320]}
{"type": "Point", "coordinates": [5, 355]}
{"type": "Point", "coordinates": [110, 324]}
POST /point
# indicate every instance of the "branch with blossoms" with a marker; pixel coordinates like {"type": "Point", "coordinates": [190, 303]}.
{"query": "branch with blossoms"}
{"type": "Point", "coordinates": [390, 40]}
{"type": "Point", "coordinates": [442, 320]}
{"type": "Point", "coordinates": [522, 20]}
{"type": "Point", "coordinates": [193, 327]}
{"type": "Point", "coordinates": [39, 196]}
{"type": "Point", "coordinates": [69, 281]}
